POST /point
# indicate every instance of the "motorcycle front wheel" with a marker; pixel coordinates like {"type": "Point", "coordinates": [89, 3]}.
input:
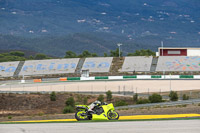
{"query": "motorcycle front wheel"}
{"type": "Point", "coordinates": [113, 115]}
{"type": "Point", "coordinates": [81, 115]}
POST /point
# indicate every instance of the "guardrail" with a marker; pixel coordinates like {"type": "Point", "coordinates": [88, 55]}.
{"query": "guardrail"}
{"type": "Point", "coordinates": [137, 77]}
{"type": "Point", "coordinates": [122, 93]}
{"type": "Point", "coordinates": [183, 102]}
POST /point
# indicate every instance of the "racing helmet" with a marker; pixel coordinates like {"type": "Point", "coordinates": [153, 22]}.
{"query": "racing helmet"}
{"type": "Point", "coordinates": [97, 102]}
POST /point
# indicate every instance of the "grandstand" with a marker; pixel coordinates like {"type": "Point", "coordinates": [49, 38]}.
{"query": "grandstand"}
{"type": "Point", "coordinates": [178, 63]}
{"type": "Point", "coordinates": [7, 69]}
{"type": "Point", "coordinates": [101, 66]}
{"type": "Point", "coordinates": [45, 67]}
{"type": "Point", "coordinates": [137, 64]}
{"type": "Point", "coordinates": [98, 64]}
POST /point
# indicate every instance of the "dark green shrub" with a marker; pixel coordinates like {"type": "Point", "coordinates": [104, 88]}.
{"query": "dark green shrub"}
{"type": "Point", "coordinates": [77, 103]}
{"type": "Point", "coordinates": [173, 96]}
{"type": "Point", "coordinates": [53, 96]}
{"type": "Point", "coordinates": [40, 56]}
{"type": "Point", "coordinates": [68, 109]}
{"type": "Point", "coordinates": [155, 98]}
{"type": "Point", "coordinates": [9, 117]}
{"type": "Point", "coordinates": [184, 105]}
{"type": "Point", "coordinates": [185, 97]}
{"type": "Point", "coordinates": [101, 98]}
{"type": "Point", "coordinates": [41, 114]}
{"type": "Point", "coordinates": [142, 101]}
{"type": "Point", "coordinates": [120, 103]}
{"type": "Point", "coordinates": [85, 100]}
{"type": "Point", "coordinates": [17, 53]}
{"type": "Point", "coordinates": [79, 98]}
{"type": "Point", "coordinates": [70, 102]}
{"type": "Point", "coordinates": [109, 95]}
{"type": "Point", "coordinates": [135, 97]}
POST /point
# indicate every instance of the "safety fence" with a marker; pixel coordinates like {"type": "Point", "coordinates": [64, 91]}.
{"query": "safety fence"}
{"type": "Point", "coordinates": [182, 102]}
{"type": "Point", "coordinates": [133, 77]}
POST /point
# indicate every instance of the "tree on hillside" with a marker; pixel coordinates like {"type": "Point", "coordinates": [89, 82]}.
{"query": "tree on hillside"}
{"type": "Point", "coordinates": [17, 53]}
{"type": "Point", "coordinates": [30, 57]}
{"type": "Point", "coordinates": [40, 56]}
{"type": "Point", "coordinates": [70, 54]}
{"type": "Point", "coordinates": [1, 55]}
{"type": "Point", "coordinates": [94, 55]}
{"type": "Point", "coordinates": [86, 53]}
{"type": "Point", "coordinates": [143, 52]}
{"type": "Point", "coordinates": [105, 55]}
{"type": "Point", "coordinates": [115, 53]}
{"type": "Point", "coordinates": [4, 57]}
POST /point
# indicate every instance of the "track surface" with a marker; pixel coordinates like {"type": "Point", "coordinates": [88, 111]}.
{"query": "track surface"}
{"type": "Point", "coordinates": [173, 126]}
{"type": "Point", "coordinates": [138, 86]}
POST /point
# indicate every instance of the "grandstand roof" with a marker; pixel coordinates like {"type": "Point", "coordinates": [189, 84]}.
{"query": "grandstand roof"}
{"type": "Point", "coordinates": [179, 48]}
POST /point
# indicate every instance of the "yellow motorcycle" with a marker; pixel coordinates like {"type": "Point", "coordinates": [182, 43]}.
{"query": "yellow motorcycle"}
{"type": "Point", "coordinates": [103, 111]}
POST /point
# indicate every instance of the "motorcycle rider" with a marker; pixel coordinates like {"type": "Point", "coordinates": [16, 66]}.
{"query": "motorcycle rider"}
{"type": "Point", "coordinates": [94, 104]}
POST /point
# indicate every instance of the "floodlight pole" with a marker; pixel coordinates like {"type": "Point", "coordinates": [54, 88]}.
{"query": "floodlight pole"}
{"type": "Point", "coordinates": [162, 47]}
{"type": "Point", "coordinates": [119, 44]}
{"type": "Point", "coordinates": [170, 82]}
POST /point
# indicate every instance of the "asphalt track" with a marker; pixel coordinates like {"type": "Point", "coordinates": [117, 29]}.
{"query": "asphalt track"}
{"type": "Point", "coordinates": [139, 86]}
{"type": "Point", "coordinates": [167, 126]}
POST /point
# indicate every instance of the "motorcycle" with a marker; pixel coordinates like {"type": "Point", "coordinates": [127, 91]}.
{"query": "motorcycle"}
{"type": "Point", "coordinates": [102, 112]}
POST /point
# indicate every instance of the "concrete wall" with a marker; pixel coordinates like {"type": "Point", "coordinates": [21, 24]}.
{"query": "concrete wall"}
{"type": "Point", "coordinates": [193, 52]}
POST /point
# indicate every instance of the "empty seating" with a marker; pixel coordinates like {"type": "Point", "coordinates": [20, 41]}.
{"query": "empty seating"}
{"type": "Point", "coordinates": [54, 66]}
{"type": "Point", "coordinates": [137, 64]}
{"type": "Point", "coordinates": [7, 69]}
{"type": "Point", "coordinates": [178, 63]}
{"type": "Point", "coordinates": [98, 64]}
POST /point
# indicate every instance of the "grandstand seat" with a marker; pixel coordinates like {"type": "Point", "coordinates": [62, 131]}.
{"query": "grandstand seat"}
{"type": "Point", "coordinates": [178, 63]}
{"type": "Point", "coordinates": [137, 64]}
{"type": "Point", "coordinates": [53, 66]}
{"type": "Point", "coordinates": [98, 64]}
{"type": "Point", "coordinates": [7, 69]}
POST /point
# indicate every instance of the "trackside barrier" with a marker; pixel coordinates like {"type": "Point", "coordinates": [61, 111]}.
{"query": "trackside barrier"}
{"type": "Point", "coordinates": [130, 77]}
{"type": "Point", "coordinates": [63, 79]}
{"type": "Point", "coordinates": [73, 78]}
{"type": "Point", "coordinates": [156, 76]}
{"type": "Point", "coordinates": [196, 76]}
{"type": "Point", "coordinates": [87, 78]}
{"type": "Point", "coordinates": [186, 76]}
{"type": "Point", "coordinates": [23, 81]}
{"type": "Point", "coordinates": [101, 77]}
{"type": "Point", "coordinates": [143, 76]}
{"type": "Point", "coordinates": [115, 77]}
{"type": "Point", "coordinates": [37, 80]}
{"type": "Point", "coordinates": [133, 77]}
{"type": "Point", "coordinates": [171, 77]}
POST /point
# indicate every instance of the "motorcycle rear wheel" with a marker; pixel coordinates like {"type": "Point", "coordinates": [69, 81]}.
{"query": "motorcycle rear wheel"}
{"type": "Point", "coordinates": [113, 115]}
{"type": "Point", "coordinates": [79, 115]}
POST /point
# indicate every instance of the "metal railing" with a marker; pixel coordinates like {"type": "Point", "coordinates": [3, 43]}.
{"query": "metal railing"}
{"type": "Point", "coordinates": [183, 102]}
